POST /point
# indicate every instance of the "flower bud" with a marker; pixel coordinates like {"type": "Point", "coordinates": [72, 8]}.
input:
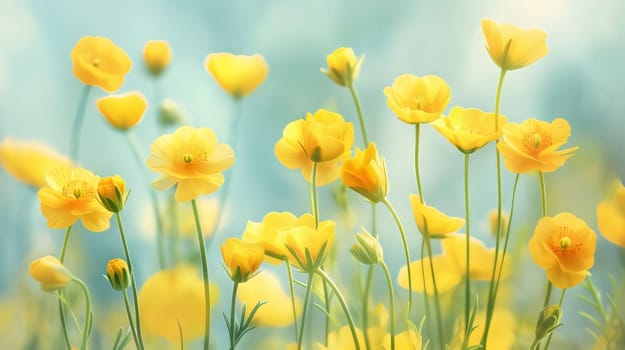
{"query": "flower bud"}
{"type": "Point", "coordinates": [242, 258]}
{"type": "Point", "coordinates": [548, 320]}
{"type": "Point", "coordinates": [157, 56]}
{"type": "Point", "coordinates": [50, 273]}
{"type": "Point", "coordinates": [368, 249]}
{"type": "Point", "coordinates": [118, 274]}
{"type": "Point", "coordinates": [169, 113]}
{"type": "Point", "coordinates": [343, 66]}
{"type": "Point", "coordinates": [112, 193]}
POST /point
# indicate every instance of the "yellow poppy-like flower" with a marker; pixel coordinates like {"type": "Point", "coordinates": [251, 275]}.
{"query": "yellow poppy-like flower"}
{"type": "Point", "coordinates": [157, 56]}
{"type": "Point", "coordinates": [323, 137]}
{"type": "Point", "coordinates": [366, 174]}
{"type": "Point", "coordinates": [98, 61]}
{"type": "Point", "coordinates": [30, 161]}
{"type": "Point", "coordinates": [533, 145]}
{"type": "Point", "coordinates": [191, 158]}
{"type": "Point", "coordinates": [611, 217]}
{"type": "Point", "coordinates": [266, 287]}
{"type": "Point", "coordinates": [238, 75]}
{"type": "Point", "coordinates": [469, 129]}
{"type": "Point", "coordinates": [118, 274]}
{"type": "Point", "coordinates": [304, 241]}
{"type": "Point", "coordinates": [123, 111]}
{"type": "Point", "coordinates": [242, 258]}
{"type": "Point", "coordinates": [418, 100]}
{"type": "Point", "coordinates": [50, 273]}
{"type": "Point", "coordinates": [343, 66]}
{"type": "Point", "coordinates": [502, 334]}
{"type": "Point", "coordinates": [511, 47]}
{"type": "Point", "coordinates": [564, 246]}
{"type": "Point", "coordinates": [71, 195]}
{"type": "Point", "coordinates": [112, 193]}
{"type": "Point", "coordinates": [438, 224]}
{"type": "Point", "coordinates": [174, 298]}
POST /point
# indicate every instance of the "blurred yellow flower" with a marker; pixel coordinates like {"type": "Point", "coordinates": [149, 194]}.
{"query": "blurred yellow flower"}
{"type": "Point", "coordinates": [174, 298]}
{"type": "Point", "coordinates": [417, 100]}
{"type": "Point", "coordinates": [118, 274]}
{"type": "Point", "coordinates": [112, 193]}
{"type": "Point", "coordinates": [564, 246]}
{"type": "Point", "coordinates": [511, 47]}
{"type": "Point", "coordinates": [242, 258]}
{"type": "Point", "coordinates": [191, 158]}
{"type": "Point", "coordinates": [341, 339]}
{"type": "Point", "coordinates": [406, 340]}
{"type": "Point", "coordinates": [502, 334]}
{"type": "Point", "coordinates": [323, 137]}
{"type": "Point", "coordinates": [238, 75]}
{"type": "Point", "coordinates": [50, 273]}
{"type": "Point", "coordinates": [493, 217]}
{"type": "Point", "coordinates": [611, 217]}
{"type": "Point", "coordinates": [446, 272]}
{"type": "Point", "coordinates": [469, 129]}
{"type": "Point", "coordinates": [366, 174]}
{"type": "Point", "coordinates": [304, 241]}
{"type": "Point", "coordinates": [208, 208]}
{"type": "Point", "coordinates": [30, 161]}
{"type": "Point", "coordinates": [532, 145]}
{"type": "Point", "coordinates": [123, 111]}
{"type": "Point", "coordinates": [70, 195]}
{"type": "Point", "coordinates": [343, 66]}
{"type": "Point", "coordinates": [157, 56]}
{"type": "Point", "coordinates": [438, 223]}
{"type": "Point", "coordinates": [98, 61]}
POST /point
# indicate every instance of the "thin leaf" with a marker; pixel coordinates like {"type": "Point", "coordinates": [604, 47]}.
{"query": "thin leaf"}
{"type": "Point", "coordinates": [118, 338]}
{"type": "Point", "coordinates": [616, 310]}
{"type": "Point", "coordinates": [592, 334]}
{"type": "Point", "coordinates": [590, 318]}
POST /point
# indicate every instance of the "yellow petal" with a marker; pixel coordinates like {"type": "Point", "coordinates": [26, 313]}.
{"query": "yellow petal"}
{"type": "Point", "coordinates": [238, 75]}
{"type": "Point", "coordinates": [446, 273]}
{"type": "Point", "coordinates": [123, 111]}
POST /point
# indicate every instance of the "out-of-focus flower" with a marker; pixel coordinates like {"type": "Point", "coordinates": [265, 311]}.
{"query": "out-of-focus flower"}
{"type": "Point", "coordinates": [308, 246]}
{"type": "Point", "coordinates": [368, 249]}
{"type": "Point", "coordinates": [123, 111]}
{"type": "Point", "coordinates": [208, 209]}
{"type": "Point", "coordinates": [469, 129]}
{"type": "Point", "coordinates": [323, 137]}
{"type": "Point", "coordinates": [406, 340]}
{"type": "Point", "coordinates": [238, 75]}
{"type": "Point", "coordinates": [493, 217]}
{"type": "Point", "coordinates": [112, 193]}
{"type": "Point", "coordinates": [242, 258]}
{"type": "Point", "coordinates": [118, 274]}
{"type": "Point", "coordinates": [169, 113]}
{"type": "Point", "coordinates": [418, 100]}
{"type": "Point", "coordinates": [366, 174]}
{"type": "Point", "coordinates": [342, 339]}
{"type": "Point", "coordinates": [191, 158]}
{"type": "Point", "coordinates": [70, 195]}
{"type": "Point", "coordinates": [98, 61]}
{"type": "Point", "coordinates": [611, 217]}
{"type": "Point", "coordinates": [532, 145]}
{"type": "Point", "coordinates": [564, 246]}
{"type": "Point", "coordinates": [343, 66]}
{"type": "Point", "coordinates": [438, 224]}
{"type": "Point", "coordinates": [30, 161]}
{"type": "Point", "coordinates": [50, 273]}
{"type": "Point", "coordinates": [157, 56]}
{"type": "Point", "coordinates": [511, 47]}
{"type": "Point", "coordinates": [502, 334]}
{"type": "Point", "coordinates": [446, 273]}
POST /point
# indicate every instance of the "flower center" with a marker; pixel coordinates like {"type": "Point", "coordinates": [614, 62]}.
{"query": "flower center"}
{"type": "Point", "coordinates": [188, 158]}
{"type": "Point", "coordinates": [78, 189]}
{"type": "Point", "coordinates": [535, 142]}
{"type": "Point", "coordinates": [565, 242]}
{"type": "Point", "coordinates": [96, 62]}
{"type": "Point", "coordinates": [421, 103]}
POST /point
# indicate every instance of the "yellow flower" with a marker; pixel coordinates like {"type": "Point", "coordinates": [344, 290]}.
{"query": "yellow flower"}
{"type": "Point", "coordinates": [191, 158]}
{"type": "Point", "coordinates": [157, 56]}
{"type": "Point", "coordinates": [343, 66]}
{"type": "Point", "coordinates": [406, 340]}
{"type": "Point", "coordinates": [493, 217]}
{"type": "Point", "coordinates": [532, 145]}
{"type": "Point", "coordinates": [366, 174]}
{"type": "Point", "coordinates": [469, 129]}
{"type": "Point", "coordinates": [242, 258]}
{"type": "Point", "coordinates": [323, 137]}
{"type": "Point", "coordinates": [50, 273]}
{"type": "Point", "coordinates": [564, 246]}
{"type": "Point", "coordinates": [174, 298]}
{"type": "Point", "coordinates": [70, 195]}
{"type": "Point", "coordinates": [112, 193]}
{"type": "Point", "coordinates": [98, 61]}
{"type": "Point", "coordinates": [238, 75]}
{"type": "Point", "coordinates": [417, 100]}
{"type": "Point", "coordinates": [30, 161]}
{"type": "Point", "coordinates": [304, 241]}
{"type": "Point", "coordinates": [208, 208]}
{"type": "Point", "coordinates": [502, 333]}
{"type": "Point", "coordinates": [438, 223]}
{"type": "Point", "coordinates": [611, 217]}
{"type": "Point", "coordinates": [446, 272]}
{"type": "Point", "coordinates": [511, 47]}
{"type": "Point", "coordinates": [118, 274]}
{"type": "Point", "coordinates": [342, 339]}
{"type": "Point", "coordinates": [123, 111]}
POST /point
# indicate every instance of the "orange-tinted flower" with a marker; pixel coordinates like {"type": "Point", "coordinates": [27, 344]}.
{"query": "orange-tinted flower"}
{"type": "Point", "coordinates": [50, 273]}
{"type": "Point", "coordinates": [533, 145]}
{"type": "Point", "coordinates": [343, 66]}
{"type": "Point", "coordinates": [242, 258]}
{"type": "Point", "coordinates": [417, 100]}
{"type": "Point", "coordinates": [157, 56]}
{"type": "Point", "coordinates": [191, 158]}
{"type": "Point", "coordinates": [30, 161]}
{"type": "Point", "coordinates": [438, 224]}
{"type": "Point", "coordinates": [304, 242]}
{"type": "Point", "coordinates": [123, 111]}
{"type": "Point", "coordinates": [366, 174]}
{"type": "Point", "coordinates": [98, 61]}
{"type": "Point", "coordinates": [238, 75]}
{"type": "Point", "coordinates": [469, 129]}
{"type": "Point", "coordinates": [511, 47]}
{"type": "Point", "coordinates": [611, 217]}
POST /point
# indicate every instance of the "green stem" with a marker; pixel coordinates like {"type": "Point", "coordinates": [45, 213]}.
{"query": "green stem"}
{"type": "Point", "coordinates": [416, 159]}
{"type": "Point", "coordinates": [78, 119]}
{"type": "Point", "coordinates": [548, 293]}
{"type": "Point", "coordinates": [305, 310]}
{"type": "Point", "coordinates": [207, 295]}
{"type": "Point", "coordinates": [292, 291]}
{"type": "Point", "coordinates": [130, 321]}
{"type": "Point", "coordinates": [61, 308]}
{"type": "Point", "coordinates": [88, 317]}
{"type": "Point", "coordinates": [467, 289]}
{"type": "Point", "coordinates": [437, 302]}
{"type": "Point", "coordinates": [406, 252]}
{"type": "Point", "coordinates": [543, 193]}
{"type": "Point", "coordinates": [389, 284]}
{"type": "Point", "coordinates": [361, 118]}
{"type": "Point", "coordinates": [232, 307]}
{"type": "Point", "coordinates": [68, 231]}
{"type": "Point", "coordinates": [365, 306]}
{"type": "Point", "coordinates": [314, 203]}
{"type": "Point", "coordinates": [559, 304]}
{"type": "Point", "coordinates": [426, 300]}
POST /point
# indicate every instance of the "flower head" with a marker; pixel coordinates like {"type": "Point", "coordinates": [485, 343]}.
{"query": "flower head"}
{"type": "Point", "coordinates": [366, 174]}
{"type": "Point", "coordinates": [417, 100]}
{"type": "Point", "coordinates": [343, 66]}
{"type": "Point", "coordinates": [30, 161]}
{"type": "Point", "coordinates": [112, 193]}
{"type": "Point", "coordinates": [123, 111]}
{"type": "Point", "coordinates": [368, 249]}
{"type": "Point", "coordinates": [242, 258]}
{"type": "Point", "coordinates": [157, 56]}
{"type": "Point", "coordinates": [238, 75]}
{"type": "Point", "coordinates": [611, 217]}
{"type": "Point", "coordinates": [118, 274]}
{"type": "Point", "coordinates": [71, 195]}
{"type": "Point", "coordinates": [191, 158]}
{"type": "Point", "coordinates": [511, 47]}
{"type": "Point", "coordinates": [533, 145]}
{"type": "Point", "coordinates": [50, 273]}
{"type": "Point", "coordinates": [469, 129]}
{"type": "Point", "coordinates": [438, 224]}
{"type": "Point", "coordinates": [308, 246]}
{"type": "Point", "coordinates": [98, 61]}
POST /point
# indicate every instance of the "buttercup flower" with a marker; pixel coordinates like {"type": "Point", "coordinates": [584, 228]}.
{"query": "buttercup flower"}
{"type": "Point", "coordinates": [438, 223]}
{"type": "Point", "coordinates": [157, 56]}
{"type": "Point", "coordinates": [564, 246]}
{"type": "Point", "coordinates": [118, 274]}
{"type": "Point", "coordinates": [469, 129]}
{"type": "Point", "coordinates": [238, 75]}
{"type": "Point", "coordinates": [242, 258]}
{"type": "Point", "coordinates": [123, 111]}
{"type": "Point", "coordinates": [30, 161]}
{"type": "Point", "coordinates": [191, 158]}
{"type": "Point", "coordinates": [112, 193]}
{"type": "Point", "coordinates": [343, 66]}
{"type": "Point", "coordinates": [611, 217]}
{"type": "Point", "coordinates": [417, 100]}
{"type": "Point", "coordinates": [98, 61]}
{"type": "Point", "coordinates": [366, 174]}
{"type": "Point", "coordinates": [511, 47]}
{"type": "Point", "coordinates": [303, 242]}
{"type": "Point", "coordinates": [50, 273]}
{"type": "Point", "coordinates": [71, 195]}
{"type": "Point", "coordinates": [532, 145]}
{"type": "Point", "coordinates": [323, 137]}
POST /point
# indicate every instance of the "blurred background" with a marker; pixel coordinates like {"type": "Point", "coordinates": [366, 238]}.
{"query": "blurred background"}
{"type": "Point", "coordinates": [581, 79]}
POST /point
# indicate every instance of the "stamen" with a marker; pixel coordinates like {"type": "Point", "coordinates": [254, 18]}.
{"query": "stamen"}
{"type": "Point", "coordinates": [188, 158]}
{"type": "Point", "coordinates": [565, 242]}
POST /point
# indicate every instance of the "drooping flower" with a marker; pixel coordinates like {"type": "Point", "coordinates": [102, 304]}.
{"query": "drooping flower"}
{"type": "Point", "coordinates": [438, 224]}
{"type": "Point", "coordinates": [238, 75]}
{"type": "Point", "coordinates": [611, 217]}
{"type": "Point", "coordinates": [533, 145]}
{"type": "Point", "coordinates": [30, 161]}
{"type": "Point", "coordinates": [118, 274]}
{"type": "Point", "coordinates": [50, 273]}
{"type": "Point", "coordinates": [308, 246]}
{"type": "Point", "coordinates": [99, 62]}
{"type": "Point", "coordinates": [112, 193]}
{"type": "Point", "coordinates": [191, 158]}
{"type": "Point", "coordinates": [366, 174]}
{"type": "Point", "coordinates": [71, 195]}
{"type": "Point", "coordinates": [343, 66]}
{"type": "Point", "coordinates": [511, 47]}
{"type": "Point", "coordinates": [469, 129]}
{"type": "Point", "coordinates": [417, 100]}
{"type": "Point", "coordinates": [564, 246]}
{"type": "Point", "coordinates": [123, 111]}
{"type": "Point", "coordinates": [242, 258]}
{"type": "Point", "coordinates": [157, 56]}
{"type": "Point", "coordinates": [323, 137]}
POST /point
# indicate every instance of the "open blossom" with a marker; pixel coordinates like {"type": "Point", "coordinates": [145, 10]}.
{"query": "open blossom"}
{"type": "Point", "coordinates": [30, 161]}
{"type": "Point", "coordinates": [438, 224]}
{"type": "Point", "coordinates": [98, 61]}
{"type": "Point", "coordinates": [242, 258]}
{"type": "Point", "coordinates": [192, 159]}
{"type": "Point", "coordinates": [123, 111]}
{"type": "Point", "coordinates": [469, 129]}
{"type": "Point", "coordinates": [366, 174]}
{"type": "Point", "coordinates": [511, 47]}
{"type": "Point", "coordinates": [157, 56]}
{"type": "Point", "coordinates": [238, 75]}
{"type": "Point", "coordinates": [611, 217]}
{"type": "Point", "coordinates": [343, 66]}
{"type": "Point", "coordinates": [418, 100]}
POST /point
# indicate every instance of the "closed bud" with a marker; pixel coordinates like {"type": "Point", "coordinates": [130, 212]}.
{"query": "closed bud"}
{"type": "Point", "coordinates": [50, 273]}
{"type": "Point", "coordinates": [169, 113]}
{"type": "Point", "coordinates": [112, 193]}
{"type": "Point", "coordinates": [343, 66]}
{"type": "Point", "coordinates": [118, 274]}
{"type": "Point", "coordinates": [157, 56]}
{"type": "Point", "coordinates": [368, 249]}
{"type": "Point", "coordinates": [548, 320]}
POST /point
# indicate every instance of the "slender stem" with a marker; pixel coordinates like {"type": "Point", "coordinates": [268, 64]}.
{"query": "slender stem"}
{"type": "Point", "coordinates": [426, 300]}
{"type": "Point", "coordinates": [437, 302]}
{"type": "Point", "coordinates": [61, 307]}
{"type": "Point", "coordinates": [305, 310]}
{"type": "Point", "coordinates": [68, 231]}
{"type": "Point", "coordinates": [130, 321]}
{"type": "Point", "coordinates": [292, 291]}
{"type": "Point", "coordinates": [207, 294]}
{"type": "Point", "coordinates": [78, 119]}
{"type": "Point", "coordinates": [551, 334]}
{"type": "Point", "coordinates": [361, 117]}
{"type": "Point", "coordinates": [313, 194]}
{"type": "Point", "coordinates": [365, 306]}
{"type": "Point", "coordinates": [406, 252]}
{"type": "Point", "coordinates": [548, 294]}
{"type": "Point", "coordinates": [389, 284]}
{"type": "Point", "coordinates": [232, 307]}
{"type": "Point", "coordinates": [416, 158]}
{"type": "Point", "coordinates": [88, 318]}
{"type": "Point", "coordinates": [467, 289]}
{"type": "Point", "coordinates": [543, 193]}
